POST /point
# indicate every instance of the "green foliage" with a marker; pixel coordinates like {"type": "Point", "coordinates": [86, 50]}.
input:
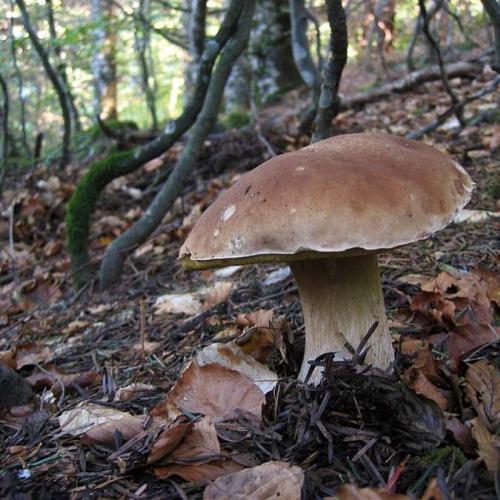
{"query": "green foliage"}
{"type": "Point", "coordinates": [81, 206]}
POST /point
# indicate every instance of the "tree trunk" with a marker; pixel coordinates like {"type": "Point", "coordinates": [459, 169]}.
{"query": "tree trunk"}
{"type": "Point", "coordinates": [61, 65]}
{"type": "Point", "coordinates": [142, 41]}
{"type": "Point", "coordinates": [20, 87]}
{"type": "Point", "coordinates": [4, 117]}
{"type": "Point", "coordinates": [116, 253]}
{"type": "Point", "coordinates": [104, 60]}
{"type": "Point", "coordinates": [492, 8]}
{"type": "Point", "coordinates": [329, 102]}
{"type": "Point", "coordinates": [54, 79]}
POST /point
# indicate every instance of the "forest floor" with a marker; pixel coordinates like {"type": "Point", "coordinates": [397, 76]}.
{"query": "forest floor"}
{"type": "Point", "coordinates": [102, 364]}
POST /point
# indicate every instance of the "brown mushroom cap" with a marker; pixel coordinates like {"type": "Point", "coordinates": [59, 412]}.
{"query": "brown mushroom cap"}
{"type": "Point", "coordinates": [347, 195]}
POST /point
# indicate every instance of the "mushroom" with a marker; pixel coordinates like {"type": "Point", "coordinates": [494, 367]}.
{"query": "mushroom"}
{"type": "Point", "coordinates": [327, 210]}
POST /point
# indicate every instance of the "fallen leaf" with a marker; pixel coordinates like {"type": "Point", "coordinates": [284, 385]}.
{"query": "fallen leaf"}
{"type": "Point", "coordinates": [169, 439]}
{"type": "Point", "coordinates": [434, 491]}
{"type": "Point", "coordinates": [132, 391]}
{"type": "Point", "coordinates": [474, 216]}
{"type": "Point", "coordinates": [261, 318]}
{"type": "Point", "coordinates": [465, 338]}
{"type": "Point", "coordinates": [98, 424]}
{"type": "Point", "coordinates": [211, 390]}
{"type": "Point", "coordinates": [272, 480]}
{"type": "Point", "coordinates": [277, 276]}
{"type": "Point", "coordinates": [14, 391]}
{"type": "Point", "coordinates": [461, 434]}
{"type": "Point", "coordinates": [51, 376]}
{"type": "Point", "coordinates": [32, 354]}
{"type": "Point", "coordinates": [232, 357]}
{"type": "Point", "coordinates": [483, 390]}
{"type": "Point", "coordinates": [198, 473]}
{"type": "Point", "coordinates": [488, 445]}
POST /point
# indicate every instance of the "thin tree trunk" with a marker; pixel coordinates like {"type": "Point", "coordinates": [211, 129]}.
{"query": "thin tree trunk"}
{"type": "Point", "coordinates": [118, 250]}
{"type": "Point", "coordinates": [437, 50]}
{"type": "Point", "coordinates": [61, 65]}
{"type": "Point", "coordinates": [82, 203]}
{"type": "Point", "coordinates": [54, 79]}
{"type": "Point", "coordinates": [197, 33]}
{"type": "Point", "coordinates": [20, 87]}
{"type": "Point", "coordinates": [142, 41]}
{"type": "Point", "coordinates": [492, 8]}
{"type": "Point", "coordinates": [4, 116]}
{"type": "Point", "coordinates": [303, 59]}
{"type": "Point", "coordinates": [104, 60]}
{"type": "Point", "coordinates": [329, 102]}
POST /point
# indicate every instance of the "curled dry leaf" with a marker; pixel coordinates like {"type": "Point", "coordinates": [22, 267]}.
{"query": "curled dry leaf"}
{"type": "Point", "coordinates": [351, 492]}
{"type": "Point", "coordinates": [211, 390]}
{"type": "Point", "coordinates": [14, 391]}
{"type": "Point", "coordinates": [198, 473]}
{"type": "Point", "coordinates": [233, 357]}
{"type": "Point", "coordinates": [53, 377]}
{"type": "Point", "coordinates": [195, 302]}
{"type": "Point", "coordinates": [98, 424]}
{"type": "Point", "coordinates": [132, 391]}
{"type": "Point", "coordinates": [488, 445]}
{"type": "Point", "coordinates": [483, 390]}
{"type": "Point", "coordinates": [272, 480]}
{"type": "Point", "coordinates": [465, 338]}
{"type": "Point", "coordinates": [169, 439]}
{"type": "Point", "coordinates": [261, 318]}
{"type": "Point", "coordinates": [32, 354]}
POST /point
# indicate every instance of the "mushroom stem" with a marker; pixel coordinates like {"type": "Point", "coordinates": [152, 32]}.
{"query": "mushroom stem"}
{"type": "Point", "coordinates": [341, 299]}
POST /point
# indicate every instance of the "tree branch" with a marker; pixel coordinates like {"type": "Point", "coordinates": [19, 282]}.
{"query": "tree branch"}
{"type": "Point", "coordinates": [492, 8]}
{"type": "Point", "coordinates": [99, 175]}
{"type": "Point", "coordinates": [329, 102]}
{"type": "Point", "coordinates": [118, 250]}
{"type": "Point", "coordinates": [4, 115]}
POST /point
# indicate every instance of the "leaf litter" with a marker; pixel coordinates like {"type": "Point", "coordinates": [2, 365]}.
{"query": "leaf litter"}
{"type": "Point", "coordinates": [133, 421]}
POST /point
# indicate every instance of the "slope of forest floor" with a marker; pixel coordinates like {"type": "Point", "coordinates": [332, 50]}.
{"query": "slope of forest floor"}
{"type": "Point", "coordinates": [428, 431]}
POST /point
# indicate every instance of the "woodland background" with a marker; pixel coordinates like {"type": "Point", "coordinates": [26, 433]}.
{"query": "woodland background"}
{"type": "Point", "coordinates": [110, 108]}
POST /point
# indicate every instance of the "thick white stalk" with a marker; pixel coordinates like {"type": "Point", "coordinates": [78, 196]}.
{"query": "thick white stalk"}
{"type": "Point", "coordinates": [341, 299]}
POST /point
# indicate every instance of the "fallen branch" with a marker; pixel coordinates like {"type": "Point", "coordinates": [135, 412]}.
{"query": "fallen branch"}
{"type": "Point", "coordinates": [409, 82]}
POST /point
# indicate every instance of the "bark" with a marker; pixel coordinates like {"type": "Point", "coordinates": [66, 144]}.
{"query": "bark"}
{"type": "Point", "coordinates": [55, 80]}
{"type": "Point", "coordinates": [20, 88]}
{"type": "Point", "coordinates": [4, 117]}
{"type": "Point", "coordinates": [437, 51]}
{"type": "Point", "coordinates": [492, 8]}
{"type": "Point", "coordinates": [197, 32]}
{"type": "Point", "coordinates": [118, 250]}
{"type": "Point", "coordinates": [303, 59]}
{"type": "Point", "coordinates": [271, 51]}
{"type": "Point", "coordinates": [102, 172]}
{"type": "Point", "coordinates": [142, 41]}
{"type": "Point", "coordinates": [409, 82]}
{"type": "Point", "coordinates": [61, 65]}
{"type": "Point", "coordinates": [104, 60]}
{"type": "Point", "coordinates": [329, 102]}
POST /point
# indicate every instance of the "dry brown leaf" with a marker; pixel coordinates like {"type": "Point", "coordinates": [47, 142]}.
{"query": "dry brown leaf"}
{"type": "Point", "coordinates": [418, 382]}
{"type": "Point", "coordinates": [351, 492]}
{"type": "Point", "coordinates": [169, 439]}
{"type": "Point", "coordinates": [53, 377]}
{"type": "Point", "coordinates": [211, 390]}
{"type": "Point", "coordinates": [272, 480]}
{"type": "Point", "coordinates": [200, 444]}
{"type": "Point", "coordinates": [433, 491]}
{"type": "Point", "coordinates": [98, 424]}
{"type": "Point", "coordinates": [465, 338]}
{"type": "Point", "coordinates": [32, 354]}
{"type": "Point", "coordinates": [131, 391]}
{"type": "Point", "coordinates": [483, 390]}
{"type": "Point", "coordinates": [488, 445]}
{"type": "Point", "coordinates": [461, 434]}
{"type": "Point", "coordinates": [198, 473]}
{"type": "Point", "coordinates": [434, 306]}
{"type": "Point", "coordinates": [232, 357]}
{"type": "Point", "coordinates": [261, 318]}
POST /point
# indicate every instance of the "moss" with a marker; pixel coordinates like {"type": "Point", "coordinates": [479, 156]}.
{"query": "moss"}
{"type": "Point", "coordinates": [82, 205]}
